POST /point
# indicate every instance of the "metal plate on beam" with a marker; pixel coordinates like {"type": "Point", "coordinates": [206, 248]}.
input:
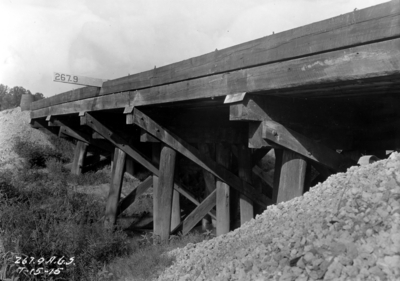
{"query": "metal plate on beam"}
{"type": "Point", "coordinates": [234, 97]}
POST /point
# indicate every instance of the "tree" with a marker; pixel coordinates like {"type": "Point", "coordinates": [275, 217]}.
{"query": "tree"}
{"type": "Point", "coordinates": [38, 96]}
{"type": "Point", "coordinates": [11, 97]}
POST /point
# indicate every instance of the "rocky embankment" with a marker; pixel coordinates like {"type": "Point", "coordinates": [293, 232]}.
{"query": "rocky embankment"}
{"type": "Point", "coordinates": [347, 228]}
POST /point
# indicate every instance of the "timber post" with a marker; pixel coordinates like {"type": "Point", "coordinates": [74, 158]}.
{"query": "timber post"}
{"type": "Point", "coordinates": [164, 194]}
{"type": "Point", "coordinates": [245, 172]}
{"type": "Point", "coordinates": [79, 158]}
{"type": "Point", "coordinates": [292, 176]}
{"type": "Point", "coordinates": [117, 174]}
{"type": "Point", "coordinates": [223, 192]}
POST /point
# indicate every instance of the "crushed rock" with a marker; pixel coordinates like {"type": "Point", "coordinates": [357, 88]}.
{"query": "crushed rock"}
{"type": "Point", "coordinates": [347, 228]}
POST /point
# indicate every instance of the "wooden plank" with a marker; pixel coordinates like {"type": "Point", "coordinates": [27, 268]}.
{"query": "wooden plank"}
{"type": "Point", "coordinates": [355, 28]}
{"type": "Point", "coordinates": [131, 197]}
{"type": "Point", "coordinates": [223, 192]}
{"type": "Point", "coordinates": [209, 179]}
{"type": "Point", "coordinates": [245, 172]}
{"type": "Point", "coordinates": [42, 125]}
{"type": "Point", "coordinates": [380, 59]}
{"type": "Point", "coordinates": [193, 154]}
{"type": "Point", "coordinates": [197, 214]}
{"type": "Point", "coordinates": [145, 137]}
{"type": "Point", "coordinates": [176, 210]}
{"type": "Point", "coordinates": [165, 188]}
{"type": "Point", "coordinates": [277, 173]}
{"type": "Point", "coordinates": [294, 141]}
{"type": "Point", "coordinates": [96, 135]}
{"type": "Point", "coordinates": [293, 174]}
{"type": "Point", "coordinates": [118, 141]}
{"type": "Point", "coordinates": [256, 139]}
{"type": "Point", "coordinates": [130, 166]}
{"type": "Point", "coordinates": [114, 194]}
{"type": "Point", "coordinates": [81, 136]}
{"type": "Point", "coordinates": [192, 199]}
{"type": "Point", "coordinates": [79, 158]}
{"type": "Point", "coordinates": [135, 154]}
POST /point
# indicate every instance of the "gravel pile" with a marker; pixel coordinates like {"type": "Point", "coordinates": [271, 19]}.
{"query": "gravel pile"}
{"type": "Point", "coordinates": [347, 228]}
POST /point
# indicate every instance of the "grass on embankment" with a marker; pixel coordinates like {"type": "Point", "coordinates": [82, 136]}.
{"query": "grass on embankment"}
{"type": "Point", "coordinates": [42, 216]}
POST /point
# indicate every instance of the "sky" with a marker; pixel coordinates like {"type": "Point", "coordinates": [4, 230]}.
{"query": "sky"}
{"type": "Point", "coordinates": [109, 39]}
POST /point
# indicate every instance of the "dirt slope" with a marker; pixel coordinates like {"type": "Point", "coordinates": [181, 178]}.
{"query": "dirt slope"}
{"type": "Point", "coordinates": [347, 228]}
{"type": "Point", "coordinates": [15, 123]}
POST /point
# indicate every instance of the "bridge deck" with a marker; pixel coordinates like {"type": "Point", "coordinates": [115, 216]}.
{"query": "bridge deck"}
{"type": "Point", "coordinates": [306, 92]}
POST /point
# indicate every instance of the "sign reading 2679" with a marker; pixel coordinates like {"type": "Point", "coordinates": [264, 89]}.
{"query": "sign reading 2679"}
{"type": "Point", "coordinates": [77, 79]}
{"type": "Point", "coordinates": [61, 77]}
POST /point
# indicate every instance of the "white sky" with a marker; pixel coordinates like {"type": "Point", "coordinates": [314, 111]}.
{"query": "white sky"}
{"type": "Point", "coordinates": [111, 38]}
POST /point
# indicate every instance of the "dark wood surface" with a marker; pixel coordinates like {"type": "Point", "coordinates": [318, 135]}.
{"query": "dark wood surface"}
{"type": "Point", "coordinates": [292, 176]}
{"type": "Point", "coordinates": [360, 27]}
{"type": "Point", "coordinates": [117, 174]}
{"type": "Point", "coordinates": [294, 141]}
{"type": "Point", "coordinates": [164, 194]}
{"type": "Point", "coordinates": [351, 65]}
{"type": "Point", "coordinates": [146, 123]}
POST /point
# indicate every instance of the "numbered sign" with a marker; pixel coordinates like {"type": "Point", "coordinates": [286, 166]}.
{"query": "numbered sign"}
{"type": "Point", "coordinates": [78, 80]}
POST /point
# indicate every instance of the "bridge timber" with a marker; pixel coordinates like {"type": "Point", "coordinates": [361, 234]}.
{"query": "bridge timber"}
{"type": "Point", "coordinates": [320, 96]}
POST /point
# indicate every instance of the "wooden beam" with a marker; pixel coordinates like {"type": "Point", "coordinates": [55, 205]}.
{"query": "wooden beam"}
{"type": "Point", "coordinates": [197, 214]}
{"type": "Point", "coordinates": [277, 173]}
{"type": "Point", "coordinates": [131, 197]}
{"type": "Point", "coordinates": [209, 179]}
{"type": "Point", "coordinates": [79, 158]}
{"type": "Point", "coordinates": [164, 194]}
{"type": "Point", "coordinates": [176, 210]}
{"type": "Point", "coordinates": [145, 137]}
{"type": "Point", "coordinates": [256, 139]}
{"type": "Point", "coordinates": [245, 172]}
{"type": "Point", "coordinates": [349, 66]}
{"type": "Point", "coordinates": [96, 135]}
{"type": "Point", "coordinates": [118, 141]}
{"type": "Point", "coordinates": [193, 154]}
{"type": "Point", "coordinates": [292, 140]}
{"type": "Point", "coordinates": [292, 176]}
{"type": "Point", "coordinates": [223, 192]}
{"type": "Point", "coordinates": [42, 125]}
{"type": "Point", "coordinates": [114, 194]}
{"type": "Point", "coordinates": [77, 134]}
{"type": "Point", "coordinates": [132, 152]}
{"type": "Point", "coordinates": [193, 200]}
{"type": "Point", "coordinates": [360, 27]}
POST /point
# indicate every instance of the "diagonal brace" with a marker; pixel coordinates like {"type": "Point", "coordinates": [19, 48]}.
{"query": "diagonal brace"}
{"type": "Point", "coordinates": [177, 143]}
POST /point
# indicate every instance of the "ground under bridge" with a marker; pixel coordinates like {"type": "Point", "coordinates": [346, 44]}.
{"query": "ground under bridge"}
{"type": "Point", "coordinates": [319, 95]}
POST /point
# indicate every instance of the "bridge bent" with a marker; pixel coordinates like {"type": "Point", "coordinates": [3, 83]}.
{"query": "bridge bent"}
{"type": "Point", "coordinates": [320, 95]}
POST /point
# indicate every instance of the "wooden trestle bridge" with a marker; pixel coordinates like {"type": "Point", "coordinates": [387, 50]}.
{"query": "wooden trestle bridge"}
{"type": "Point", "coordinates": [320, 95]}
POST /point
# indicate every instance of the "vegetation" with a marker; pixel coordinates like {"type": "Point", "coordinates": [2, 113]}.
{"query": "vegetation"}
{"type": "Point", "coordinates": [11, 97]}
{"type": "Point", "coordinates": [42, 216]}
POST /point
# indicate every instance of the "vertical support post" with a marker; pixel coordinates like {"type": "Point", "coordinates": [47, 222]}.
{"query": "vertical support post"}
{"type": "Point", "coordinates": [223, 192]}
{"type": "Point", "coordinates": [245, 172]}
{"type": "Point", "coordinates": [155, 157]}
{"type": "Point", "coordinates": [176, 210]}
{"type": "Point", "coordinates": [209, 181]}
{"type": "Point", "coordinates": [277, 173]}
{"type": "Point", "coordinates": [292, 178]}
{"type": "Point", "coordinates": [79, 158]}
{"type": "Point", "coordinates": [115, 188]}
{"type": "Point", "coordinates": [165, 188]}
{"type": "Point", "coordinates": [130, 166]}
